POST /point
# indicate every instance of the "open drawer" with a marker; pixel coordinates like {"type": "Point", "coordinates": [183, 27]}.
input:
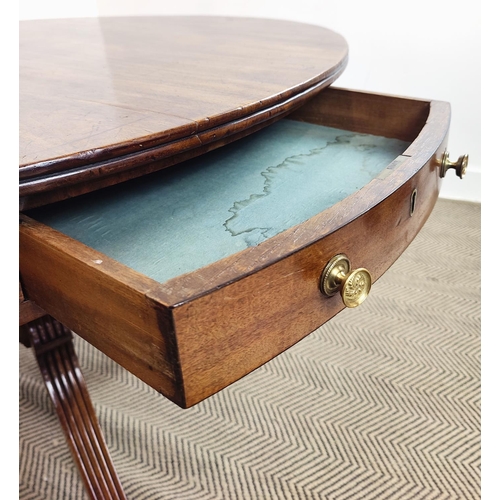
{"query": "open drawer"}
{"type": "Point", "coordinates": [194, 276]}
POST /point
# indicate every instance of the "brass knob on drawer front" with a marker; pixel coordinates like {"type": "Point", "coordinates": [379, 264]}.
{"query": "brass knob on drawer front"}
{"type": "Point", "coordinates": [354, 285]}
{"type": "Point", "coordinates": [460, 165]}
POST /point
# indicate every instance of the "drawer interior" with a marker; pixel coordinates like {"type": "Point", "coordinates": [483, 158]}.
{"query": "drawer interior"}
{"type": "Point", "coordinates": [186, 217]}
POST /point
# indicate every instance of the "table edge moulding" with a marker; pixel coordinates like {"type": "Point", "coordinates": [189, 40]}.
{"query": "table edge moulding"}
{"type": "Point", "coordinates": [236, 100]}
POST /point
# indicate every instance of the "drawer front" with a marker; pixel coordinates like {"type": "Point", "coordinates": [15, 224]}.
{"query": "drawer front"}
{"type": "Point", "coordinates": [226, 334]}
{"type": "Point", "coordinates": [194, 334]}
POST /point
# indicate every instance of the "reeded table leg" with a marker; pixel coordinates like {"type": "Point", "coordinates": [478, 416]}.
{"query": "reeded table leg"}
{"type": "Point", "coordinates": [54, 351]}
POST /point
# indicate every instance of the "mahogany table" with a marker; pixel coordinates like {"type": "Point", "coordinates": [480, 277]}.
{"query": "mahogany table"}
{"type": "Point", "coordinates": [195, 198]}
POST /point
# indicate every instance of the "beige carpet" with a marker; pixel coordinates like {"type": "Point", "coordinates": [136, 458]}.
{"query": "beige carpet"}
{"type": "Point", "coordinates": [381, 402]}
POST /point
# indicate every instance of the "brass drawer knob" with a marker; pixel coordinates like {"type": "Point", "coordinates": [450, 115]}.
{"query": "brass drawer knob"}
{"type": "Point", "coordinates": [460, 165]}
{"type": "Point", "coordinates": [354, 285]}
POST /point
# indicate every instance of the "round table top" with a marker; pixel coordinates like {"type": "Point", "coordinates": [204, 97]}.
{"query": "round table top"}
{"type": "Point", "coordinates": [97, 90]}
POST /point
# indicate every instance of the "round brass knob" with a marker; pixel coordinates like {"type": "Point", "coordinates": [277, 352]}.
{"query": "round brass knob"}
{"type": "Point", "coordinates": [460, 165]}
{"type": "Point", "coordinates": [354, 285]}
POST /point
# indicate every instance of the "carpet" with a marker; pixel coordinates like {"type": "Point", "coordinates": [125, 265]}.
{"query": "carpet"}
{"type": "Point", "coordinates": [382, 402]}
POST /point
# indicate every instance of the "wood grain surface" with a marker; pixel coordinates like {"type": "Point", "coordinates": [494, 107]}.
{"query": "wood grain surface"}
{"type": "Point", "coordinates": [99, 299]}
{"type": "Point", "coordinates": [151, 89]}
{"type": "Point", "coordinates": [195, 334]}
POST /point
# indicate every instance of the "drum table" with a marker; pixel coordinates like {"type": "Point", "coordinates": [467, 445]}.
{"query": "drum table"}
{"type": "Point", "coordinates": [195, 198]}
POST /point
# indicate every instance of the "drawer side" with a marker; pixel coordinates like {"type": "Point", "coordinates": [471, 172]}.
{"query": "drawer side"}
{"type": "Point", "coordinates": [102, 301]}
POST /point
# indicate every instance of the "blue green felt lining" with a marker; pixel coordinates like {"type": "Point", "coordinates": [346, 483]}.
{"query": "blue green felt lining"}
{"type": "Point", "coordinates": [188, 216]}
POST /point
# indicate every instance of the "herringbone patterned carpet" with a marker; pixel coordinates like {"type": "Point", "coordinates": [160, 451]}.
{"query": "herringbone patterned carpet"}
{"type": "Point", "coordinates": [383, 402]}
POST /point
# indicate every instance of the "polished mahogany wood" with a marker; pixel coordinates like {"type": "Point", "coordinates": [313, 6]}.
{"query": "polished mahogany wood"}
{"type": "Point", "coordinates": [367, 112]}
{"type": "Point", "coordinates": [98, 105]}
{"type": "Point", "coordinates": [195, 334]}
{"type": "Point", "coordinates": [54, 351]}
{"type": "Point", "coordinates": [109, 305]}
